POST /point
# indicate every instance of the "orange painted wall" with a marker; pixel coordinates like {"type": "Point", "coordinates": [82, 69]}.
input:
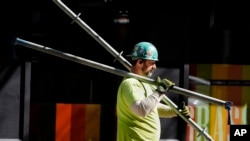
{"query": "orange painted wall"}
{"type": "Point", "coordinates": [235, 88]}
{"type": "Point", "coordinates": [77, 122]}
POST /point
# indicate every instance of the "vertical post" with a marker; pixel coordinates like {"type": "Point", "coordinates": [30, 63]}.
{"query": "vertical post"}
{"type": "Point", "coordinates": [24, 101]}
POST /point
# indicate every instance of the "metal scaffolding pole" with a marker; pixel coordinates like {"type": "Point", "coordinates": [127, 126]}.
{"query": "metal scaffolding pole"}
{"type": "Point", "coordinates": [92, 33]}
{"type": "Point", "coordinates": [126, 64]}
{"type": "Point", "coordinates": [109, 69]}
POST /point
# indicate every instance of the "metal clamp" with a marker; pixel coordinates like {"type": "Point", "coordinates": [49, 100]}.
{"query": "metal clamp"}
{"type": "Point", "coordinates": [76, 17]}
{"type": "Point", "coordinates": [228, 105]}
{"type": "Point", "coordinates": [118, 56]}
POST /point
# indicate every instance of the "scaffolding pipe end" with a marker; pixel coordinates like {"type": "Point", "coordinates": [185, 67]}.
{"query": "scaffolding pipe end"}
{"type": "Point", "coordinates": [14, 41]}
{"type": "Point", "coordinates": [228, 105]}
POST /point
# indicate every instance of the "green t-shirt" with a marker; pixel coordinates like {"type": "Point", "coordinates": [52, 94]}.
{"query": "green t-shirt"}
{"type": "Point", "coordinates": [131, 127]}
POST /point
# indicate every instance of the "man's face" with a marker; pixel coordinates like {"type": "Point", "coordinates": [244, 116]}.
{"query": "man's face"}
{"type": "Point", "coordinates": [148, 67]}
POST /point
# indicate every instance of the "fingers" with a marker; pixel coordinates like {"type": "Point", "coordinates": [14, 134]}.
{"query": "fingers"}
{"type": "Point", "coordinates": [158, 80]}
{"type": "Point", "coordinates": [164, 84]}
{"type": "Point", "coordinates": [168, 82]}
{"type": "Point", "coordinates": [186, 112]}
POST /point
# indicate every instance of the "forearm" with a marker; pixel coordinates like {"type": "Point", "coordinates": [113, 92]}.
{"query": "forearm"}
{"type": "Point", "coordinates": [165, 111]}
{"type": "Point", "coordinates": [144, 107]}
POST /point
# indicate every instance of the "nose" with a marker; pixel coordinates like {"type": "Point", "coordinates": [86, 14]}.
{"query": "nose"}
{"type": "Point", "coordinates": [154, 66]}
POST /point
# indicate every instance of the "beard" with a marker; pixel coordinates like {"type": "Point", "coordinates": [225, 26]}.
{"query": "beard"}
{"type": "Point", "coordinates": [149, 74]}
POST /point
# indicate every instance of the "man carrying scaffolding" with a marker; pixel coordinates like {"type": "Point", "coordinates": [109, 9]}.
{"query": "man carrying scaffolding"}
{"type": "Point", "coordinates": [141, 65]}
{"type": "Point", "coordinates": [138, 103]}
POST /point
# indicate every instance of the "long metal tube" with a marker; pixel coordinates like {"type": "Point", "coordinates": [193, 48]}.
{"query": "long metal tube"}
{"type": "Point", "coordinates": [116, 71]}
{"type": "Point", "coordinates": [80, 60]}
{"type": "Point", "coordinates": [109, 69]}
{"type": "Point", "coordinates": [127, 65]}
{"type": "Point", "coordinates": [125, 62]}
{"type": "Point", "coordinates": [92, 33]}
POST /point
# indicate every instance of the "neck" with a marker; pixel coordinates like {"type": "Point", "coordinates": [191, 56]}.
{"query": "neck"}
{"type": "Point", "coordinates": [136, 70]}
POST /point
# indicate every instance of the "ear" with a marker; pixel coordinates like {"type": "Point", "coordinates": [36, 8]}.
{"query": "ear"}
{"type": "Point", "coordinates": [140, 61]}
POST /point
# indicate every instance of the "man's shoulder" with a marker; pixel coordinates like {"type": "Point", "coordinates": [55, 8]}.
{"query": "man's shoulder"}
{"type": "Point", "coordinates": [131, 79]}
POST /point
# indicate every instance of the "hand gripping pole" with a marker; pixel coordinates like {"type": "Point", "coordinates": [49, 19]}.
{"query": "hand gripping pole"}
{"type": "Point", "coordinates": [109, 69]}
{"type": "Point", "coordinates": [188, 120]}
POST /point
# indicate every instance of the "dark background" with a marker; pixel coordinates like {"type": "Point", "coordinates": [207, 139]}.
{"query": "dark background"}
{"type": "Point", "coordinates": [184, 32]}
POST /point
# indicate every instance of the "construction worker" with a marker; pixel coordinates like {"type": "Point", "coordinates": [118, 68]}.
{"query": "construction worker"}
{"type": "Point", "coordinates": [138, 103]}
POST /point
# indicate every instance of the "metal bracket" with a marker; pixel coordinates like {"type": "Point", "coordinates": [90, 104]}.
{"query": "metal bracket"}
{"type": "Point", "coordinates": [76, 17]}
